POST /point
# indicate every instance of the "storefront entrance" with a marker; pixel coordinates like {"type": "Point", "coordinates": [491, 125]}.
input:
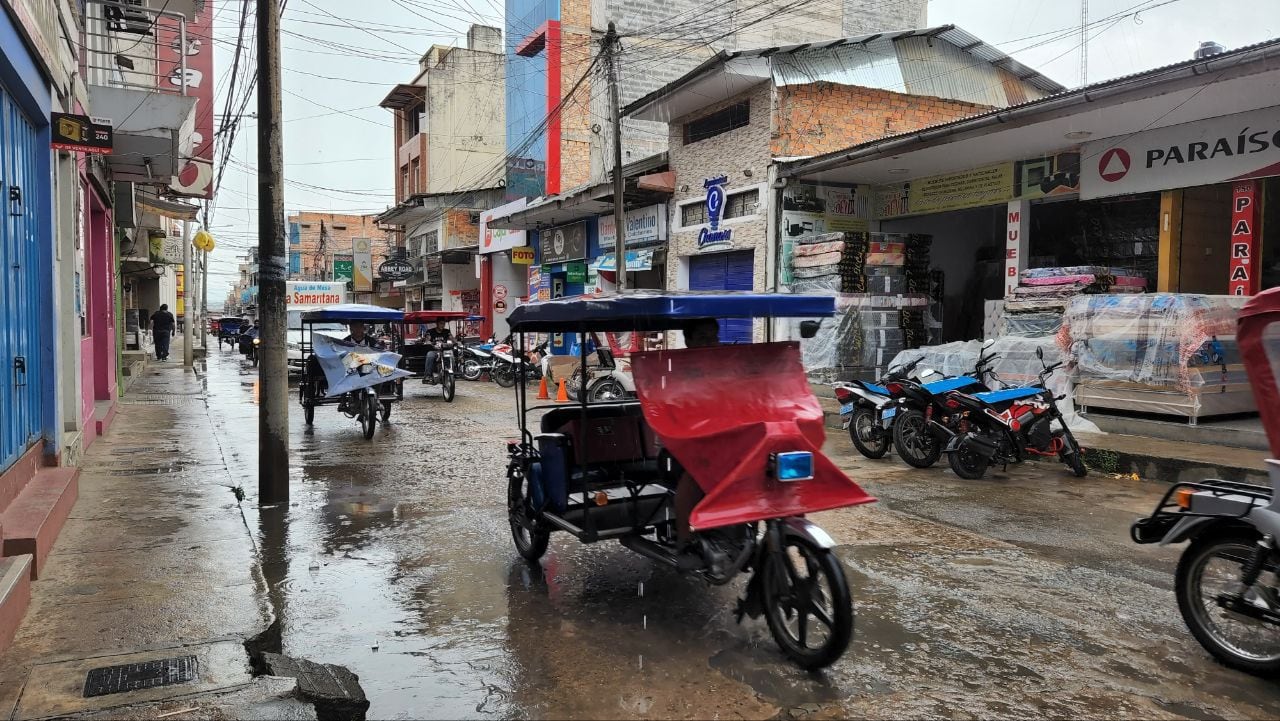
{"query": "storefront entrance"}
{"type": "Point", "coordinates": [725, 271]}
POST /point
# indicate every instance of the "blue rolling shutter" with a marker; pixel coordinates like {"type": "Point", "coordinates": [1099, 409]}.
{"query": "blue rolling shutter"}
{"type": "Point", "coordinates": [725, 271]}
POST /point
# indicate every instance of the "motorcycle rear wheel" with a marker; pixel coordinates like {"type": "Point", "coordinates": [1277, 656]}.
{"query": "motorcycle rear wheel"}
{"type": "Point", "coordinates": [1070, 455]}
{"type": "Point", "coordinates": [504, 376]}
{"type": "Point", "coordinates": [968, 463]}
{"type": "Point", "coordinates": [805, 586]}
{"type": "Point", "coordinates": [471, 369]}
{"type": "Point", "coordinates": [531, 543]}
{"type": "Point", "coordinates": [1217, 561]}
{"type": "Point", "coordinates": [913, 441]}
{"type": "Point", "coordinates": [869, 440]}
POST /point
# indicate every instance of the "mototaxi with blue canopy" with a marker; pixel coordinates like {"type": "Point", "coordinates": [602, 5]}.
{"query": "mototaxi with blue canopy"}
{"type": "Point", "coordinates": [740, 421]}
{"type": "Point", "coordinates": [363, 381]}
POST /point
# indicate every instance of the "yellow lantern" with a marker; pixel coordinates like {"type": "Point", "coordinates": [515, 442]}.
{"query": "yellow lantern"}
{"type": "Point", "coordinates": [203, 241]}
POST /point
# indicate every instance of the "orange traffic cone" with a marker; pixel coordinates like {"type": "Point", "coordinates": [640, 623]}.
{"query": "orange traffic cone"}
{"type": "Point", "coordinates": [543, 395]}
{"type": "Point", "coordinates": [562, 395]}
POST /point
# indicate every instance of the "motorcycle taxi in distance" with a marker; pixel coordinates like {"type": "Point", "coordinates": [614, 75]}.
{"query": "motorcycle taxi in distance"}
{"type": "Point", "coordinates": [607, 470]}
{"type": "Point", "coordinates": [1228, 580]}
{"type": "Point", "coordinates": [375, 386]}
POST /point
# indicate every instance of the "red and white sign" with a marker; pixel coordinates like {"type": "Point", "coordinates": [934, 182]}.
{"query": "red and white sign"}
{"type": "Point", "coordinates": [493, 240]}
{"type": "Point", "coordinates": [1017, 224]}
{"type": "Point", "coordinates": [1244, 246]}
{"type": "Point", "coordinates": [1214, 150]}
{"type": "Point", "coordinates": [1113, 165]}
{"type": "Point", "coordinates": [195, 176]}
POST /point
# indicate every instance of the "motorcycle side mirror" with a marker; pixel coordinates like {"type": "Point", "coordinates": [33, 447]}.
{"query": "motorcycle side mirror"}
{"type": "Point", "coordinates": [988, 343]}
{"type": "Point", "coordinates": [809, 328]}
{"type": "Point", "coordinates": [1040, 352]}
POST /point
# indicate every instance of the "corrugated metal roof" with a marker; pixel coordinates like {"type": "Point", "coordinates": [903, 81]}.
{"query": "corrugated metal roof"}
{"type": "Point", "coordinates": [865, 60]}
{"type": "Point", "coordinates": [1149, 75]}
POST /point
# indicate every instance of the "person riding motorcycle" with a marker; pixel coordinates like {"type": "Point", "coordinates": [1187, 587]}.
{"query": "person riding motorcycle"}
{"type": "Point", "coordinates": [358, 336]}
{"type": "Point", "coordinates": [437, 338]}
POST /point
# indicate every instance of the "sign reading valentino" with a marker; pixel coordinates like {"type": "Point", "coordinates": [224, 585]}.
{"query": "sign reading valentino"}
{"type": "Point", "coordinates": [1216, 150]}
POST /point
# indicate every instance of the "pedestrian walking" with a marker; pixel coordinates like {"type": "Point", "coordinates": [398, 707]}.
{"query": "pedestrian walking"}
{"type": "Point", "coordinates": [162, 325]}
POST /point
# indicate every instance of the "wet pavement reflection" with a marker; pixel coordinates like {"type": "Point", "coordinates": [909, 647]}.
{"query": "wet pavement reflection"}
{"type": "Point", "coordinates": [1015, 596]}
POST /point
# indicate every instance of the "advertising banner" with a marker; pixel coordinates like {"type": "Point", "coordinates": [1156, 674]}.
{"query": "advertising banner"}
{"type": "Point", "coordinates": [1215, 150]}
{"type": "Point", "coordinates": [568, 242]}
{"type": "Point", "coordinates": [815, 209]}
{"type": "Point", "coordinates": [80, 133]}
{"type": "Point", "coordinates": [362, 269]}
{"type": "Point", "coordinates": [343, 268]}
{"type": "Point", "coordinates": [644, 225]}
{"type": "Point", "coordinates": [493, 240]}
{"type": "Point", "coordinates": [195, 178]}
{"type": "Point", "coordinates": [996, 184]}
{"type": "Point", "coordinates": [299, 293]}
{"type": "Point", "coordinates": [535, 281]}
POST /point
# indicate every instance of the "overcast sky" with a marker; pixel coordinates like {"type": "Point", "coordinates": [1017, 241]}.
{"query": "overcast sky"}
{"type": "Point", "coordinates": [342, 56]}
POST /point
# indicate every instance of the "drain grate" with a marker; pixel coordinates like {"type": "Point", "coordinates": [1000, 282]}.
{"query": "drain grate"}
{"type": "Point", "coordinates": [137, 676]}
{"type": "Point", "coordinates": [149, 471]}
{"type": "Point", "coordinates": [161, 400]}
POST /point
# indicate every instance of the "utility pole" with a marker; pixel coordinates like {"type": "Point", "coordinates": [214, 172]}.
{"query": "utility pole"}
{"type": "Point", "coordinates": [188, 308]}
{"type": "Point", "coordinates": [619, 182]}
{"type": "Point", "coordinates": [273, 371]}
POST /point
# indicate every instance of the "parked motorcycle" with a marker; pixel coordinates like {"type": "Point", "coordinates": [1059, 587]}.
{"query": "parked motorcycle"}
{"type": "Point", "coordinates": [477, 359]}
{"type": "Point", "coordinates": [505, 363]}
{"type": "Point", "coordinates": [867, 410]}
{"type": "Point", "coordinates": [1006, 426]}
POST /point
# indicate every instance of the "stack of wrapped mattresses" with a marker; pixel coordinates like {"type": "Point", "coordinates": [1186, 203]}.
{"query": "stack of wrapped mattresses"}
{"type": "Point", "coordinates": [1038, 303]}
{"type": "Point", "coordinates": [1164, 353]}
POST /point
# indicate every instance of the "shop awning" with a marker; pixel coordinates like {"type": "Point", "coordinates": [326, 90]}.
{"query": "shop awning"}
{"type": "Point", "coordinates": [422, 207]}
{"type": "Point", "coordinates": [404, 96]}
{"type": "Point", "coordinates": [166, 208]}
{"type": "Point", "coordinates": [637, 260]}
{"type": "Point", "coordinates": [1232, 82]}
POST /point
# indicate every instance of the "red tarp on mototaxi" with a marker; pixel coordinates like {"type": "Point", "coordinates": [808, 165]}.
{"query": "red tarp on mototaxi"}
{"type": "Point", "coordinates": [722, 410]}
{"type": "Point", "coordinates": [1253, 338]}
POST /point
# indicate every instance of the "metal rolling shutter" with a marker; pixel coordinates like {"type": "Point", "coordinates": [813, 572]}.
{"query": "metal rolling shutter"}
{"type": "Point", "coordinates": [725, 271]}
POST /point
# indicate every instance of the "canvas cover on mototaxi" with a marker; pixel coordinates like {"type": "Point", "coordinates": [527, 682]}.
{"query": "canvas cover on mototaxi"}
{"type": "Point", "coordinates": [722, 410]}
{"type": "Point", "coordinates": [1258, 336]}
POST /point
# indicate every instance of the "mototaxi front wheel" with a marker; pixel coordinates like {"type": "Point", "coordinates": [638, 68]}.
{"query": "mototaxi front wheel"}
{"type": "Point", "coordinates": [807, 602]}
{"type": "Point", "coordinates": [1210, 567]}
{"type": "Point", "coordinates": [531, 540]}
{"type": "Point", "coordinates": [449, 385]}
{"type": "Point", "coordinates": [913, 441]}
{"type": "Point", "coordinates": [385, 414]}
{"type": "Point", "coordinates": [369, 415]}
{"type": "Point", "coordinates": [870, 441]}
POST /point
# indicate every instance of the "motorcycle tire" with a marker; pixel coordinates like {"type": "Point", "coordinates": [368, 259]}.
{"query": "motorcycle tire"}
{"type": "Point", "coordinates": [607, 389]}
{"type": "Point", "coordinates": [255, 360]}
{"type": "Point", "coordinates": [1070, 455]}
{"type": "Point", "coordinates": [968, 463]}
{"type": "Point", "coordinates": [450, 387]}
{"type": "Point", "coordinates": [1203, 615]}
{"type": "Point", "coordinates": [504, 376]}
{"type": "Point", "coordinates": [787, 593]}
{"type": "Point", "coordinates": [472, 370]}
{"type": "Point", "coordinates": [573, 385]}
{"type": "Point", "coordinates": [369, 416]}
{"type": "Point", "coordinates": [531, 543]}
{"type": "Point", "coordinates": [913, 441]}
{"type": "Point", "coordinates": [385, 415]}
{"type": "Point", "coordinates": [869, 441]}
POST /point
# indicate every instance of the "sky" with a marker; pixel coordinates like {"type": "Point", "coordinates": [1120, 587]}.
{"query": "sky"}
{"type": "Point", "coordinates": [341, 57]}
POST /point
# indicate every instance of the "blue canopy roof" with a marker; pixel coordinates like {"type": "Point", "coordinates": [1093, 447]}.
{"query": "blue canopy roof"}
{"type": "Point", "coordinates": [354, 312]}
{"type": "Point", "coordinates": [661, 311]}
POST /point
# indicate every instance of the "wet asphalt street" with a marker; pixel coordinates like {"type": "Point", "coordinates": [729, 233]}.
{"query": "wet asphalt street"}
{"type": "Point", "coordinates": [1012, 597]}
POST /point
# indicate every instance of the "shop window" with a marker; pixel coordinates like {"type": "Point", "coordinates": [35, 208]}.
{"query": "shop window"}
{"type": "Point", "coordinates": [693, 214]}
{"type": "Point", "coordinates": [339, 226]}
{"type": "Point", "coordinates": [739, 204]}
{"type": "Point", "coordinates": [733, 117]}
{"type": "Point", "coordinates": [431, 242]}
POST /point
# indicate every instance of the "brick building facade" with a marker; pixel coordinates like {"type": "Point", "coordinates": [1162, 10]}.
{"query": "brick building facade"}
{"type": "Point", "coordinates": [316, 239]}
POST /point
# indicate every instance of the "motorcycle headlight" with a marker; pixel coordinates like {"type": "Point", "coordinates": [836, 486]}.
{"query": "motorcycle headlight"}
{"type": "Point", "coordinates": [256, 341]}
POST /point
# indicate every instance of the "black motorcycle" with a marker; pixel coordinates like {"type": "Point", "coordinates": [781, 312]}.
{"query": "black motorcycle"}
{"type": "Point", "coordinates": [1007, 426]}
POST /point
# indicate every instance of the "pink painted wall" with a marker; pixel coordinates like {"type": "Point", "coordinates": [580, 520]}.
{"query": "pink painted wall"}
{"type": "Point", "coordinates": [98, 347]}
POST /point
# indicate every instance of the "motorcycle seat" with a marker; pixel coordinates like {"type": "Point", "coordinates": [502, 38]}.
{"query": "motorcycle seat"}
{"type": "Point", "coordinates": [949, 384]}
{"type": "Point", "coordinates": [1007, 395]}
{"type": "Point", "coordinates": [872, 388]}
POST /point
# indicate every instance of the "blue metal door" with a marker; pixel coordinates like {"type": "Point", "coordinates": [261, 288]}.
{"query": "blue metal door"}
{"type": "Point", "coordinates": [20, 363]}
{"type": "Point", "coordinates": [725, 271]}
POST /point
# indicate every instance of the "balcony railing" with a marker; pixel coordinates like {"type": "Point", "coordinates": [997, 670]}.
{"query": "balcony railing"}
{"type": "Point", "coordinates": [129, 45]}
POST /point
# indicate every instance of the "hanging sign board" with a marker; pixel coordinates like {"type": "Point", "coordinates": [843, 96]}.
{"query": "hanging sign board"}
{"type": "Point", "coordinates": [568, 242]}
{"type": "Point", "coordinates": [80, 133]}
{"type": "Point", "coordinates": [1244, 247]}
{"type": "Point", "coordinates": [522, 256]}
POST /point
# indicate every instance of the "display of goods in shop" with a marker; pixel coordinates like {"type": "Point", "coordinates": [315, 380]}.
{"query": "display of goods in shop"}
{"type": "Point", "coordinates": [1162, 353]}
{"type": "Point", "coordinates": [814, 261]}
{"type": "Point", "coordinates": [805, 250]}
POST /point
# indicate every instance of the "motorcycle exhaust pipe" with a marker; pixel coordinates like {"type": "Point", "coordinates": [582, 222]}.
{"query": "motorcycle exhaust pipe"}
{"type": "Point", "coordinates": [981, 446]}
{"type": "Point", "coordinates": [941, 432]}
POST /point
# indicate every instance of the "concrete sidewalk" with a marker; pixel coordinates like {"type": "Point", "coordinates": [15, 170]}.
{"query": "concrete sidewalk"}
{"type": "Point", "coordinates": [155, 558]}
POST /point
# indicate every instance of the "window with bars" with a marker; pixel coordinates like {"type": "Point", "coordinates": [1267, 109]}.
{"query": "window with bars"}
{"type": "Point", "coordinates": [733, 117]}
{"type": "Point", "coordinates": [431, 242]}
{"type": "Point", "coordinates": [736, 205]}
{"type": "Point", "coordinates": [693, 214]}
